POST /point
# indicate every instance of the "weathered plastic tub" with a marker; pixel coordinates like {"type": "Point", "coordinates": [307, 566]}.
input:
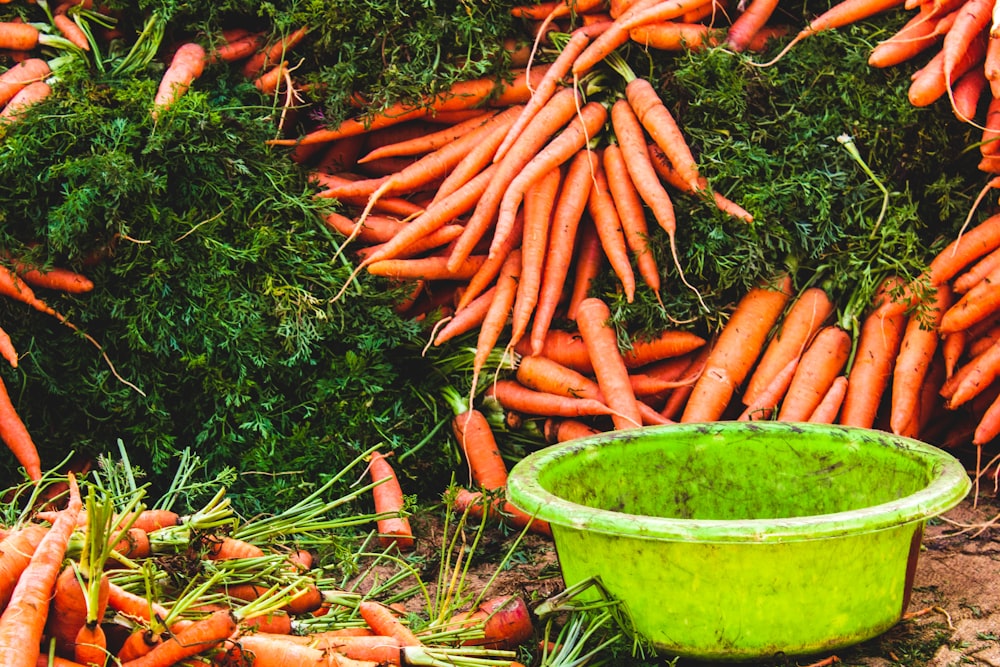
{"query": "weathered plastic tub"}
{"type": "Point", "coordinates": [743, 540]}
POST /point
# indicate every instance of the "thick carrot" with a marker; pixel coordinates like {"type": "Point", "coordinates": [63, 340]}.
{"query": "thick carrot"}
{"type": "Point", "coordinates": [31, 94]}
{"type": "Point", "coordinates": [225, 547]}
{"type": "Point", "coordinates": [931, 83]}
{"type": "Point", "coordinates": [676, 35]}
{"type": "Point", "coordinates": [663, 129]}
{"type": "Point", "coordinates": [68, 610]}
{"type": "Point", "coordinates": [462, 95]}
{"type": "Point", "coordinates": [970, 22]}
{"type": "Point", "coordinates": [588, 262]}
{"type": "Point", "coordinates": [269, 81]}
{"type": "Point", "coordinates": [737, 348]}
{"type": "Point", "coordinates": [965, 96]}
{"type": "Point", "coordinates": [769, 397]}
{"type": "Point", "coordinates": [561, 149]}
{"type": "Point", "coordinates": [742, 30]}
{"type": "Point", "coordinates": [632, 215]}
{"type": "Point", "coordinates": [383, 621]}
{"type": "Point", "coordinates": [90, 646]}
{"type": "Point", "coordinates": [871, 369]}
{"type": "Point", "coordinates": [920, 342]}
{"type": "Point", "coordinates": [803, 320]}
{"type": "Point", "coordinates": [15, 435]}
{"type": "Point", "coordinates": [553, 116]}
{"type": "Point", "coordinates": [512, 395]}
{"type": "Point", "coordinates": [921, 32]}
{"type": "Point", "coordinates": [20, 75]}
{"type": "Point", "coordinates": [604, 215]}
{"type": "Point", "coordinates": [566, 218]}
{"type": "Point", "coordinates": [816, 371]}
{"type": "Point", "coordinates": [187, 64]}
{"type": "Point", "coordinates": [16, 550]}
{"type": "Point", "coordinates": [976, 305]}
{"type": "Point", "coordinates": [18, 36]}
{"type": "Point", "coordinates": [599, 335]}
{"type": "Point", "coordinates": [976, 273]}
{"type": "Point", "coordinates": [474, 435]}
{"type": "Point", "coordinates": [22, 623]}
{"type": "Point", "coordinates": [201, 636]}
{"type": "Point", "coordinates": [426, 268]}
{"type": "Point", "coordinates": [540, 199]}
{"type": "Point", "coordinates": [55, 278]}
{"type": "Point", "coordinates": [388, 498]}
{"type": "Point", "coordinates": [665, 345]}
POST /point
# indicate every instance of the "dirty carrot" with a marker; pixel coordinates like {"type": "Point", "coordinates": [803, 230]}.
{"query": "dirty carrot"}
{"type": "Point", "coordinates": [478, 444]}
{"type": "Point", "coordinates": [383, 621]}
{"type": "Point", "coordinates": [22, 623]}
{"type": "Point", "coordinates": [736, 350]}
{"type": "Point", "coordinates": [605, 219]}
{"type": "Point", "coordinates": [804, 318]}
{"type": "Point", "coordinates": [477, 504]}
{"type": "Point", "coordinates": [593, 318]}
{"type": "Point", "coordinates": [388, 498]}
{"type": "Point", "coordinates": [200, 636]}
{"type": "Point", "coordinates": [820, 364]}
{"type": "Point", "coordinates": [226, 547]}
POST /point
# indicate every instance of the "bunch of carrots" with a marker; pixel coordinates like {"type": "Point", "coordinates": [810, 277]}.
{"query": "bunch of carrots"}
{"type": "Point", "coordinates": [94, 577]}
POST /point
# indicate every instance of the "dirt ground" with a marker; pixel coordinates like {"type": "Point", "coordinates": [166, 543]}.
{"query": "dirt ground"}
{"type": "Point", "coordinates": [954, 616]}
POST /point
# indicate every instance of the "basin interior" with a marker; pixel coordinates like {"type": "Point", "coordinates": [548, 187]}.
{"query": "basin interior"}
{"type": "Point", "coordinates": [750, 475]}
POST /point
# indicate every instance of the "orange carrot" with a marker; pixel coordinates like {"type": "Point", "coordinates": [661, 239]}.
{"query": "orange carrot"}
{"type": "Point", "coordinates": [804, 319]}
{"type": "Point", "coordinates": [383, 621]}
{"type": "Point", "coordinates": [920, 33]}
{"type": "Point", "coordinates": [975, 274]}
{"type": "Point", "coordinates": [18, 36]}
{"type": "Point", "coordinates": [274, 53]}
{"type": "Point", "coordinates": [566, 216]}
{"type": "Point", "coordinates": [90, 646]}
{"type": "Point", "coordinates": [828, 409]}
{"type": "Point", "coordinates": [31, 94]}
{"type": "Point", "coordinates": [201, 636]}
{"type": "Point", "coordinates": [676, 35]}
{"type": "Point", "coordinates": [388, 498]}
{"type": "Point", "coordinates": [20, 75]}
{"type": "Point", "coordinates": [465, 319]}
{"type": "Point", "coordinates": [975, 306]}
{"type": "Point", "coordinates": [871, 369]}
{"type": "Point", "coordinates": [953, 347]}
{"type": "Point", "coordinates": [15, 554]}
{"type": "Point", "coordinates": [68, 610]}
{"type": "Point", "coordinates": [920, 341]}
{"type": "Point", "coordinates": [237, 48]}
{"type": "Point", "coordinates": [588, 262]}
{"type": "Point", "coordinates": [71, 31]}
{"type": "Point", "coordinates": [426, 268]}
{"type": "Point", "coordinates": [477, 160]}
{"type": "Point", "coordinates": [678, 398]}
{"type": "Point", "coordinates": [632, 215]}
{"type": "Point", "coordinates": [931, 82]}
{"type": "Point", "coordinates": [593, 319]}
{"type": "Point", "coordinates": [971, 21]}
{"type": "Point", "coordinates": [560, 110]}
{"type": "Point", "coordinates": [498, 313]}
{"type": "Point", "coordinates": [476, 504]}
{"type": "Point", "coordinates": [663, 168]}
{"type": "Point", "coordinates": [7, 349]}
{"type": "Point", "coordinates": [817, 369]}
{"type": "Point", "coordinates": [607, 222]}
{"type": "Point", "coordinates": [475, 438]}
{"type": "Point", "coordinates": [742, 30]}
{"type": "Point", "coordinates": [966, 94]}
{"type": "Point", "coordinates": [769, 397]}
{"type": "Point", "coordinates": [268, 82]}
{"type": "Point", "coordinates": [225, 547]}
{"type": "Point", "coordinates": [430, 141]}
{"type": "Point", "coordinates": [980, 372]}
{"type": "Point", "coordinates": [15, 435]}
{"type": "Point", "coordinates": [668, 343]}
{"type": "Point", "coordinates": [563, 430]}
{"type": "Point", "coordinates": [734, 353]}
{"type": "Point", "coordinates": [512, 395]}
{"type": "Point", "coordinates": [56, 278]}
{"type": "Point", "coordinates": [491, 268]}
{"type": "Point", "coordinates": [663, 129]}
{"type": "Point", "coordinates": [22, 623]}
{"type": "Point", "coordinates": [187, 64]}
{"type": "Point", "coordinates": [539, 203]}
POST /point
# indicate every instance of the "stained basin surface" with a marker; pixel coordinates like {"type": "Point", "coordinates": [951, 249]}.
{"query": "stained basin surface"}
{"type": "Point", "coordinates": [743, 540]}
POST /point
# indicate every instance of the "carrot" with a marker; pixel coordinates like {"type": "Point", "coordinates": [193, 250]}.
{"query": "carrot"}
{"type": "Point", "coordinates": [663, 129]}
{"type": "Point", "coordinates": [383, 621]}
{"type": "Point", "coordinates": [16, 550]}
{"type": "Point", "coordinates": [477, 160]}
{"type": "Point", "coordinates": [734, 353]}
{"type": "Point", "coordinates": [491, 268]}
{"type": "Point", "coordinates": [668, 343]}
{"type": "Point", "coordinates": [769, 397]}
{"type": "Point", "coordinates": [498, 313]}
{"type": "Point", "coordinates": [225, 547]}
{"type": "Point", "coordinates": [187, 64]}
{"type": "Point", "coordinates": [871, 369]}
{"type": "Point", "coordinates": [828, 409]}
{"type": "Point", "coordinates": [607, 222]}
{"type": "Point", "coordinates": [71, 31]}
{"type": "Point", "coordinates": [512, 395]}
{"type": "Point", "coordinates": [475, 438]}
{"type": "Point", "coordinates": [971, 21]}
{"type": "Point", "coordinates": [259, 650]}
{"type": "Point", "coordinates": [632, 215]}
{"type": "Point", "coordinates": [201, 636]}
{"type": "Point", "coordinates": [663, 168]}
{"type": "Point", "coordinates": [269, 81]}
{"type": "Point", "coordinates": [588, 262]}
{"type": "Point", "coordinates": [267, 57]}
{"type": "Point", "coordinates": [566, 216]}
{"type": "Point", "coordinates": [465, 319]}
{"type": "Point", "coordinates": [18, 36]}
{"type": "Point", "coordinates": [430, 141]}
{"type": "Point", "coordinates": [981, 371]}
{"type": "Point", "coordinates": [426, 268]}
{"type": "Point", "coordinates": [931, 82]}
{"type": "Point", "coordinates": [749, 23]}
{"type": "Point", "coordinates": [15, 435]}
{"type": "Point", "coordinates": [388, 498]}
{"type": "Point", "coordinates": [377, 229]}
{"type": "Point", "coordinates": [131, 605]}
{"type": "Point", "coordinates": [7, 349]}
{"type": "Point", "coordinates": [90, 646]}
{"type": "Point", "coordinates": [22, 623]}
{"type": "Point", "coordinates": [975, 306]}
{"type": "Point", "coordinates": [966, 92]}
{"type": "Point", "coordinates": [20, 75]}
{"type": "Point", "coordinates": [816, 371]}
{"type": "Point", "coordinates": [236, 48]}
{"type": "Point", "coordinates": [30, 95]}
{"type": "Point", "coordinates": [377, 649]}
{"type": "Point", "coordinates": [563, 147]}
{"type": "Point", "coordinates": [539, 203]}
{"type": "Point", "coordinates": [804, 319]}
{"type": "Point", "coordinates": [68, 610]}
{"type": "Point", "coordinates": [560, 110]}
{"type": "Point", "coordinates": [462, 95]}
{"type": "Point", "coordinates": [675, 35]}
{"type": "Point", "coordinates": [988, 426]}
{"type": "Point", "coordinates": [920, 33]}
{"type": "Point", "coordinates": [629, 132]}
{"type": "Point", "coordinates": [976, 273]}
{"type": "Point", "coordinates": [844, 13]}
{"type": "Point", "coordinates": [920, 341]}
{"type": "Point", "coordinates": [56, 278]}
{"type": "Point", "coordinates": [556, 9]}
{"type": "Point", "coordinates": [478, 505]}
{"type": "Point", "coordinates": [564, 347]}
{"type": "Point", "coordinates": [563, 430]}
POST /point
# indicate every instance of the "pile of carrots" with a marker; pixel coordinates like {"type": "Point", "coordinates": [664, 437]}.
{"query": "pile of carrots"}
{"type": "Point", "coordinates": [94, 578]}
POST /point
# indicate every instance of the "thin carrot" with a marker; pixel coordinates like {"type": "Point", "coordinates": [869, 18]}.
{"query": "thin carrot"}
{"type": "Point", "coordinates": [22, 623]}
{"type": "Point", "coordinates": [663, 129]}
{"type": "Point", "coordinates": [976, 305]}
{"type": "Point", "coordinates": [871, 369]}
{"type": "Point", "coordinates": [7, 350]}
{"type": "Point", "coordinates": [588, 262]}
{"type": "Point", "coordinates": [975, 274]}
{"type": "Point", "coordinates": [971, 21]}
{"type": "Point", "coordinates": [828, 409]}
{"type": "Point", "coordinates": [491, 268]}
{"type": "Point", "coordinates": [663, 168]}
{"type": "Point", "coordinates": [920, 341]}
{"type": "Point", "coordinates": [981, 371]}
{"type": "Point", "coordinates": [15, 554]}
{"type": "Point", "coordinates": [558, 112]}
{"type": "Point", "coordinates": [498, 313]}
{"type": "Point", "coordinates": [769, 397]}
{"type": "Point", "coordinates": [540, 199]}
{"type": "Point", "coordinates": [269, 81]}
{"type": "Point", "coordinates": [607, 222]}
{"type": "Point", "coordinates": [561, 149]}
{"type": "Point", "coordinates": [737, 348]}
{"type": "Point", "coordinates": [566, 218]}
{"type": "Point", "coordinates": [593, 319]}
{"type": "Point", "coordinates": [513, 395]}
{"type": "Point", "coordinates": [966, 93]}
{"type": "Point", "coordinates": [632, 215]}
{"type": "Point", "coordinates": [820, 364]}
{"type": "Point", "coordinates": [475, 438]}
{"type": "Point", "coordinates": [988, 426]}
{"type": "Point", "coordinates": [430, 141]}
{"type": "Point", "coordinates": [803, 320]}
{"type": "Point", "coordinates": [465, 319]}
{"type": "Point", "coordinates": [15, 435]}
{"type": "Point", "coordinates": [236, 48]}
{"type": "Point", "coordinates": [477, 160]}
{"type": "Point", "coordinates": [268, 57]}
{"type": "Point", "coordinates": [742, 30]}
{"type": "Point", "coordinates": [383, 621]}
{"type": "Point", "coordinates": [388, 498]}
{"type": "Point", "coordinates": [678, 398]}
{"type": "Point", "coordinates": [842, 14]}
{"type": "Point", "coordinates": [426, 268]}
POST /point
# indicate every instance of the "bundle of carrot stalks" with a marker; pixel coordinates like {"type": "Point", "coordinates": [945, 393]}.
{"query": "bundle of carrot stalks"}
{"type": "Point", "coordinates": [98, 578]}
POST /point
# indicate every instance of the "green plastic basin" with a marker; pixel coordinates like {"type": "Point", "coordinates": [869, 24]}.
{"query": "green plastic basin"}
{"type": "Point", "coordinates": [743, 540]}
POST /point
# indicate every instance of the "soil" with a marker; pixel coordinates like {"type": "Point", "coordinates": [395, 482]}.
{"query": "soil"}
{"type": "Point", "coordinates": [954, 615]}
